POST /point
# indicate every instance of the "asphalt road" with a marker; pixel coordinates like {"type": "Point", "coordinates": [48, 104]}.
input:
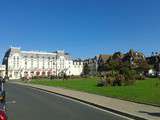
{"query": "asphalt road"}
{"type": "Point", "coordinates": [33, 104]}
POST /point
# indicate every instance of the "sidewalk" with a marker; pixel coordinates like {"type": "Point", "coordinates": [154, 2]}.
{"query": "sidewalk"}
{"type": "Point", "coordinates": [122, 107]}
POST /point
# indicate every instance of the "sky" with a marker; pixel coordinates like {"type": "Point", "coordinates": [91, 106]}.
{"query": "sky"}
{"type": "Point", "coordinates": [84, 28]}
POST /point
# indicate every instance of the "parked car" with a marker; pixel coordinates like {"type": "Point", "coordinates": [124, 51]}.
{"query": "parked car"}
{"type": "Point", "coordinates": [151, 73]}
{"type": "Point", "coordinates": [3, 115]}
{"type": "Point", "coordinates": [2, 91]}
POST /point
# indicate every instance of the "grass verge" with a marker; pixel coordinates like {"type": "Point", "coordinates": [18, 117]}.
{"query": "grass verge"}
{"type": "Point", "coordinates": [144, 91]}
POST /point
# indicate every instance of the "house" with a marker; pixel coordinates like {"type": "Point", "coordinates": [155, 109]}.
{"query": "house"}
{"type": "Point", "coordinates": [95, 62]}
{"type": "Point", "coordinates": [2, 70]}
{"type": "Point", "coordinates": [21, 63]}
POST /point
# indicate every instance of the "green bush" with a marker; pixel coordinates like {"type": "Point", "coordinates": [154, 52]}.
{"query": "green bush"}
{"type": "Point", "coordinates": [40, 77]}
{"type": "Point", "coordinates": [110, 80]}
{"type": "Point", "coordinates": [119, 79]}
{"type": "Point", "coordinates": [129, 82]}
{"type": "Point", "coordinates": [140, 77]}
{"type": "Point", "coordinates": [102, 83]}
{"type": "Point", "coordinates": [130, 77]}
{"type": "Point", "coordinates": [125, 76]}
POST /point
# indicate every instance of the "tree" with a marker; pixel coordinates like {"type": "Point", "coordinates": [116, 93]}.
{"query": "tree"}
{"type": "Point", "coordinates": [142, 66]}
{"type": "Point", "coordinates": [86, 69]}
{"type": "Point", "coordinates": [117, 56]}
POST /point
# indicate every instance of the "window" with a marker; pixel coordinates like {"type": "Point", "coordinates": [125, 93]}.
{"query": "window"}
{"type": "Point", "coordinates": [31, 61]}
{"type": "Point", "coordinates": [43, 62]}
{"type": "Point", "coordinates": [17, 61]}
{"type": "Point", "coordinates": [14, 61]}
{"type": "Point", "coordinates": [38, 62]}
{"type": "Point", "coordinates": [48, 62]}
{"type": "Point", "coordinates": [25, 59]}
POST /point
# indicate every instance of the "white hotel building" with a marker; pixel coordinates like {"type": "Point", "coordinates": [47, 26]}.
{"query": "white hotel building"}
{"type": "Point", "coordinates": [34, 63]}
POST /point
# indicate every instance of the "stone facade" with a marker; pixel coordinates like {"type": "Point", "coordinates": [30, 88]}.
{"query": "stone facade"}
{"type": "Point", "coordinates": [94, 63]}
{"type": "Point", "coordinates": [34, 63]}
{"type": "Point", "coordinates": [2, 70]}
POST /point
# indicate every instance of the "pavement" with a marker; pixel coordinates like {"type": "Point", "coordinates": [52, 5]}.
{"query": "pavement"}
{"type": "Point", "coordinates": [125, 108]}
{"type": "Point", "coordinates": [27, 103]}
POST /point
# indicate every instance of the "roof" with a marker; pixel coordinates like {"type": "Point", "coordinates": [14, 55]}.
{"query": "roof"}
{"type": "Point", "coordinates": [38, 52]}
{"type": "Point", "coordinates": [104, 57]}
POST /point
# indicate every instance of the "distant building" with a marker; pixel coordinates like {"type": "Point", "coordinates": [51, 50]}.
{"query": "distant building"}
{"type": "Point", "coordinates": [154, 61]}
{"type": "Point", "coordinates": [34, 63]}
{"type": "Point", "coordinates": [2, 70]}
{"type": "Point", "coordinates": [95, 62]}
{"type": "Point", "coordinates": [92, 64]}
{"type": "Point", "coordinates": [102, 58]}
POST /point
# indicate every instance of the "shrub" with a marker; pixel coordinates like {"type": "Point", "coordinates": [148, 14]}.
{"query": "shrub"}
{"type": "Point", "coordinates": [129, 76]}
{"type": "Point", "coordinates": [102, 83]}
{"type": "Point", "coordinates": [40, 77]}
{"type": "Point", "coordinates": [129, 82]}
{"type": "Point", "coordinates": [119, 79]}
{"type": "Point", "coordinates": [110, 80]}
{"type": "Point", "coordinates": [23, 78]}
{"type": "Point", "coordinates": [75, 76]}
{"type": "Point", "coordinates": [52, 77]}
{"type": "Point", "coordinates": [125, 77]}
{"type": "Point", "coordinates": [140, 77]}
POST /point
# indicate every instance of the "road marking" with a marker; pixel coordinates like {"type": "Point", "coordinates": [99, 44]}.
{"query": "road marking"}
{"type": "Point", "coordinates": [83, 103]}
{"type": "Point", "coordinates": [11, 102]}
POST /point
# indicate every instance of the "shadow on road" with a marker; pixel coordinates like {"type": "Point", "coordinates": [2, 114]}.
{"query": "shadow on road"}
{"type": "Point", "coordinates": [153, 114]}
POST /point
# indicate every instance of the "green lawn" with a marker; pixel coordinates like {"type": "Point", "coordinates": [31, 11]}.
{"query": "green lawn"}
{"type": "Point", "coordinates": [145, 91]}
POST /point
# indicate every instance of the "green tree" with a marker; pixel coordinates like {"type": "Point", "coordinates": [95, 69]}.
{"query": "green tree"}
{"type": "Point", "coordinates": [142, 66]}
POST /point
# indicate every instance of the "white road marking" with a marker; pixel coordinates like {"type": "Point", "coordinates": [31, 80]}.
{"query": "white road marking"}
{"type": "Point", "coordinates": [11, 102]}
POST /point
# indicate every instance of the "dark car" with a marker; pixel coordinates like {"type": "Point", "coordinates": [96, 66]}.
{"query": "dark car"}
{"type": "Point", "coordinates": [2, 91]}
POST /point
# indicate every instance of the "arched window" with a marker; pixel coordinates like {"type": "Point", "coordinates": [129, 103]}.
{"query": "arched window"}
{"type": "Point", "coordinates": [48, 62]}
{"type": "Point", "coordinates": [38, 62]}
{"type": "Point", "coordinates": [31, 61]}
{"type": "Point", "coordinates": [14, 61]}
{"type": "Point", "coordinates": [17, 61]}
{"type": "Point", "coordinates": [37, 73]}
{"type": "Point", "coordinates": [43, 63]}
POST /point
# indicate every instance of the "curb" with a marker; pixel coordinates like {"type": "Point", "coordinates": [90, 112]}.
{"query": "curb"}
{"type": "Point", "coordinates": [90, 103]}
{"type": "Point", "coordinates": [150, 104]}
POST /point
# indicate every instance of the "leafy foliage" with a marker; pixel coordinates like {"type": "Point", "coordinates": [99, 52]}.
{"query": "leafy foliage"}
{"type": "Point", "coordinates": [125, 69]}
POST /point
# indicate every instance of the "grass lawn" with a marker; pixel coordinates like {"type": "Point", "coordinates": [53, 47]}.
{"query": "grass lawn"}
{"type": "Point", "coordinates": [145, 91]}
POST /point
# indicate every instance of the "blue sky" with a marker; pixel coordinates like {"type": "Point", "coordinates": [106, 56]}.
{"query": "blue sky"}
{"type": "Point", "coordinates": [83, 28]}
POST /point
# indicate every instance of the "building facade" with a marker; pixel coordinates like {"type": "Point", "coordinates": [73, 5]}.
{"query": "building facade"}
{"type": "Point", "coordinates": [2, 70]}
{"type": "Point", "coordinates": [95, 63]}
{"type": "Point", "coordinates": [34, 63]}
